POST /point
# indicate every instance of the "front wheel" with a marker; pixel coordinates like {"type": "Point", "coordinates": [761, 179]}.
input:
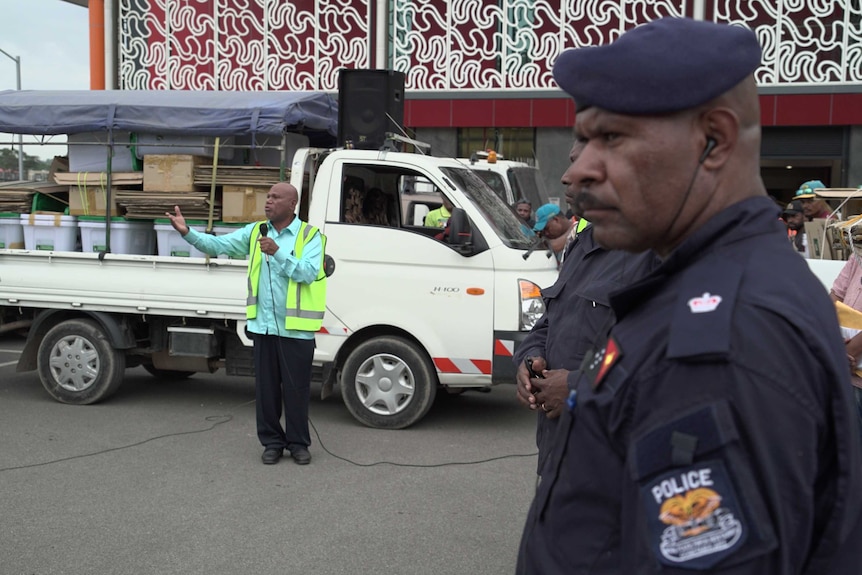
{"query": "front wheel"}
{"type": "Point", "coordinates": [77, 364]}
{"type": "Point", "coordinates": [388, 383]}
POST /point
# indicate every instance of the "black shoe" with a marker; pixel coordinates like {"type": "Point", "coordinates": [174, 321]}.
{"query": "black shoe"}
{"type": "Point", "coordinates": [271, 455]}
{"type": "Point", "coordinates": [301, 456]}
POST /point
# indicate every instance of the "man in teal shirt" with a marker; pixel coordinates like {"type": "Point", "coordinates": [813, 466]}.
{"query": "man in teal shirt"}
{"type": "Point", "coordinates": [282, 356]}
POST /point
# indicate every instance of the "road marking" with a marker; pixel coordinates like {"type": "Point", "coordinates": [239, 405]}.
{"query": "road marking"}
{"type": "Point", "coordinates": [8, 363]}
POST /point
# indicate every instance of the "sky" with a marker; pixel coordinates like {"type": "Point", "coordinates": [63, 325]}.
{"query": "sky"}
{"type": "Point", "coordinates": [52, 39]}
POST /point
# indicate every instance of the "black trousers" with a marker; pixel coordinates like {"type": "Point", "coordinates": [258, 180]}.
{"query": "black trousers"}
{"type": "Point", "coordinates": [282, 368]}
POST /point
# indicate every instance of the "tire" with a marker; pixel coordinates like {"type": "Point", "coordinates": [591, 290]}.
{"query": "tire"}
{"type": "Point", "coordinates": [388, 383]}
{"type": "Point", "coordinates": [77, 364]}
{"type": "Point", "coordinates": [168, 374]}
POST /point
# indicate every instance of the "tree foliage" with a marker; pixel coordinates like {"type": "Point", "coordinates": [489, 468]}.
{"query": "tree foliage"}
{"type": "Point", "coordinates": [9, 160]}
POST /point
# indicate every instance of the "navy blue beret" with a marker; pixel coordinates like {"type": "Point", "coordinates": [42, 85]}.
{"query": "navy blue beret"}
{"type": "Point", "coordinates": [664, 66]}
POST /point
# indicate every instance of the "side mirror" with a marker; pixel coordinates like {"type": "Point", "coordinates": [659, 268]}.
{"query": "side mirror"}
{"type": "Point", "coordinates": [460, 231]}
{"type": "Point", "coordinates": [328, 265]}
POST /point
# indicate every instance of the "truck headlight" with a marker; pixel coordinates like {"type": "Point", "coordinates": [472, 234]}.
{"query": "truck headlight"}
{"type": "Point", "coordinates": [532, 305]}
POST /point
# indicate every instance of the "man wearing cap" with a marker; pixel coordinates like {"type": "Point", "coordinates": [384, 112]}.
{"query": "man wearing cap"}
{"type": "Point", "coordinates": [812, 206]}
{"type": "Point", "coordinates": [713, 428]}
{"type": "Point", "coordinates": [555, 227]}
{"type": "Point", "coordinates": [576, 311]}
{"type": "Point", "coordinates": [794, 218]}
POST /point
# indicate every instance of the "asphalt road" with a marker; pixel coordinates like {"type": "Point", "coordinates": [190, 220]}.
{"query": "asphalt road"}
{"type": "Point", "coordinates": [166, 478]}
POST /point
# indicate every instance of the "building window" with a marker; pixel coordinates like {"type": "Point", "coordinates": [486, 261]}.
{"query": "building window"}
{"type": "Point", "coordinates": [512, 143]}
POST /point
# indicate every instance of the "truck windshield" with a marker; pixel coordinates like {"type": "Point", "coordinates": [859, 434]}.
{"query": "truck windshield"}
{"type": "Point", "coordinates": [495, 182]}
{"type": "Point", "coordinates": [512, 231]}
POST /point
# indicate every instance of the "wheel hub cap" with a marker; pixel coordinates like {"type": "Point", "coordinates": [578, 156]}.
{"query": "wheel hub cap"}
{"type": "Point", "coordinates": [74, 363]}
{"type": "Point", "coordinates": [385, 384]}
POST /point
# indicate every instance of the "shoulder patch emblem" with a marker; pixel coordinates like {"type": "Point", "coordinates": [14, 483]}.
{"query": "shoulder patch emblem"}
{"type": "Point", "coordinates": [705, 303]}
{"type": "Point", "coordinates": [693, 516]}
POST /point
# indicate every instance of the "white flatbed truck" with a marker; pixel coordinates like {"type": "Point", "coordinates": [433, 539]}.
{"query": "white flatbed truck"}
{"type": "Point", "coordinates": [407, 314]}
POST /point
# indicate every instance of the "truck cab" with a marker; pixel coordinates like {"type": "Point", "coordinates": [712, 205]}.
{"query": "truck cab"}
{"type": "Point", "coordinates": [413, 309]}
{"type": "Point", "coordinates": [511, 180]}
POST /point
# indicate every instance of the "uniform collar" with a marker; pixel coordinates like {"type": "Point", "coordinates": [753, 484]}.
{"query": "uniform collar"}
{"type": "Point", "coordinates": [743, 220]}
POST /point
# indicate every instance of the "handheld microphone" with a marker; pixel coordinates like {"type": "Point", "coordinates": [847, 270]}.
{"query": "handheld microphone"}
{"type": "Point", "coordinates": [263, 231]}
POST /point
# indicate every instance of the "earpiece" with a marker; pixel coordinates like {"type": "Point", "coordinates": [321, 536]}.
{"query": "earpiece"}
{"type": "Point", "coordinates": [710, 144]}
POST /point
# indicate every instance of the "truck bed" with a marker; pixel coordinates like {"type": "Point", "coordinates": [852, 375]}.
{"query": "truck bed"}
{"type": "Point", "coordinates": [157, 285]}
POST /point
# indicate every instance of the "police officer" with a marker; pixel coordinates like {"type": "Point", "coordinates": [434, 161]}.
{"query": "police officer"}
{"type": "Point", "coordinates": [713, 429]}
{"type": "Point", "coordinates": [576, 309]}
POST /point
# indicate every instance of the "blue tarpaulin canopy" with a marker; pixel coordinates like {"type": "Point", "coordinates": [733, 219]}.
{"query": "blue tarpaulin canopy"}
{"type": "Point", "coordinates": [50, 112]}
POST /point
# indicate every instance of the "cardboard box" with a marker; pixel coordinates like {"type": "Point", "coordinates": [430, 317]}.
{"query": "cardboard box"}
{"type": "Point", "coordinates": [243, 203]}
{"type": "Point", "coordinates": [819, 239]}
{"type": "Point", "coordinates": [171, 173]}
{"type": "Point", "coordinates": [92, 201]}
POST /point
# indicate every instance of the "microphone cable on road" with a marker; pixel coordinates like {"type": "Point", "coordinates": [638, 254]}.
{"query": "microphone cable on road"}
{"type": "Point", "coordinates": [217, 420]}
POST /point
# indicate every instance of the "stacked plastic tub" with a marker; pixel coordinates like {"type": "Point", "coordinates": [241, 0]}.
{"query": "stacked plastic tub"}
{"type": "Point", "coordinates": [127, 236]}
{"type": "Point", "coordinates": [11, 231]}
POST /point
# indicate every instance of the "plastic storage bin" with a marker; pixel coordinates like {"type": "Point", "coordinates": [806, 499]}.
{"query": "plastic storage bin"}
{"type": "Point", "coordinates": [11, 231]}
{"type": "Point", "coordinates": [50, 232]}
{"type": "Point", "coordinates": [168, 144]}
{"type": "Point", "coordinates": [171, 243]}
{"type": "Point", "coordinates": [127, 237]}
{"type": "Point", "coordinates": [88, 152]}
{"type": "Point", "coordinates": [222, 228]}
{"type": "Point", "coordinates": [46, 203]}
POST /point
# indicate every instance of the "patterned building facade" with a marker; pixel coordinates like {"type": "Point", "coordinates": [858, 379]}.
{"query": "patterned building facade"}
{"type": "Point", "coordinates": [478, 72]}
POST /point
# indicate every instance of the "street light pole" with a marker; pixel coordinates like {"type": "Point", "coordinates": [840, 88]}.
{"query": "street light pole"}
{"type": "Point", "coordinates": [17, 60]}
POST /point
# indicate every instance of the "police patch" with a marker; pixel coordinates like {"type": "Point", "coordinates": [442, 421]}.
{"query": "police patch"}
{"type": "Point", "coordinates": [693, 516]}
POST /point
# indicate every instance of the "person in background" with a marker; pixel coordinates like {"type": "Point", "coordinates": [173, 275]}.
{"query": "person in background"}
{"type": "Point", "coordinates": [524, 209]}
{"type": "Point", "coordinates": [285, 307]}
{"type": "Point", "coordinates": [794, 219]}
{"type": "Point", "coordinates": [439, 217]}
{"type": "Point", "coordinates": [374, 208]}
{"type": "Point", "coordinates": [713, 430]}
{"type": "Point", "coordinates": [577, 309]}
{"type": "Point", "coordinates": [554, 227]}
{"type": "Point", "coordinates": [812, 206]}
{"type": "Point", "coordinates": [847, 289]}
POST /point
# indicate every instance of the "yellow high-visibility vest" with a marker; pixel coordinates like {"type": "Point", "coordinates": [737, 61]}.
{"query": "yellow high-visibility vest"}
{"type": "Point", "coordinates": [306, 303]}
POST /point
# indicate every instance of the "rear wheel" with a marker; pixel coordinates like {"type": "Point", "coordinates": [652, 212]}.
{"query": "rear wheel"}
{"type": "Point", "coordinates": [388, 383]}
{"type": "Point", "coordinates": [77, 363]}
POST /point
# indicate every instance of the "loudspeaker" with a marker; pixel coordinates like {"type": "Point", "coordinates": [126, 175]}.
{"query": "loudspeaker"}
{"type": "Point", "coordinates": [367, 99]}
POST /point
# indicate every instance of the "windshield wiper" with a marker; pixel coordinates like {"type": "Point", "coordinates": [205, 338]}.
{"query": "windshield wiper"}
{"type": "Point", "coordinates": [535, 245]}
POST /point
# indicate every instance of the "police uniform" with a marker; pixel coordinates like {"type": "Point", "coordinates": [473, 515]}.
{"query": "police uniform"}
{"type": "Point", "coordinates": [577, 309]}
{"type": "Point", "coordinates": [713, 429]}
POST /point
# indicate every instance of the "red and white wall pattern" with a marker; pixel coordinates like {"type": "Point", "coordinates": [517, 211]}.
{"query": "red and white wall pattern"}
{"type": "Point", "coordinates": [482, 45]}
